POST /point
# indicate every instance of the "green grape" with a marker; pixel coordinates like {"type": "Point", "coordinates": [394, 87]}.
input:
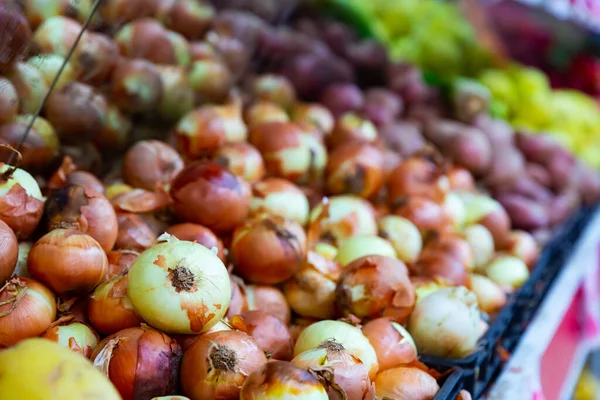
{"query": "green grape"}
{"type": "Point", "coordinates": [499, 109]}
{"type": "Point", "coordinates": [500, 85]}
{"type": "Point", "coordinates": [536, 110]}
{"type": "Point", "coordinates": [406, 49]}
{"type": "Point", "coordinates": [530, 81]}
{"type": "Point", "coordinates": [441, 56]}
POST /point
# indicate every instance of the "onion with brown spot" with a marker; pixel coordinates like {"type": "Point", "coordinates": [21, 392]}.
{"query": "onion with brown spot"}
{"type": "Point", "coordinates": [355, 168]}
{"type": "Point", "coordinates": [243, 159]}
{"type": "Point", "coordinates": [74, 335]}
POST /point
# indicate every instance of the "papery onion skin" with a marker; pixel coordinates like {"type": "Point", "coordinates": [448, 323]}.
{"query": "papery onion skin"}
{"type": "Point", "coordinates": [67, 261]}
{"type": "Point", "coordinates": [199, 234]}
{"type": "Point", "coordinates": [179, 287]}
{"type": "Point", "coordinates": [78, 378]}
{"type": "Point", "coordinates": [269, 299]}
{"type": "Point", "coordinates": [336, 366]}
{"type": "Point", "coordinates": [349, 336]}
{"type": "Point", "coordinates": [134, 233]}
{"type": "Point", "coordinates": [141, 362]}
{"type": "Point", "coordinates": [406, 383]}
{"type": "Point", "coordinates": [392, 343]}
{"type": "Point", "coordinates": [21, 202]}
{"type": "Point", "coordinates": [204, 186]}
{"type": "Point", "coordinates": [375, 286]}
{"type": "Point", "coordinates": [217, 364]}
{"type": "Point", "coordinates": [151, 162]}
{"type": "Point", "coordinates": [403, 235]}
{"type": "Point", "coordinates": [119, 262]}
{"type": "Point", "coordinates": [73, 335]}
{"type": "Point", "coordinates": [185, 341]}
{"type": "Point", "coordinates": [280, 197]}
{"type": "Point", "coordinates": [28, 308]}
{"type": "Point", "coordinates": [82, 208]}
{"type": "Point", "coordinates": [109, 308]}
{"type": "Point", "coordinates": [9, 252]}
{"type": "Point", "coordinates": [268, 249]}
{"type": "Point", "coordinates": [85, 178]}
{"type": "Point", "coordinates": [277, 380]}
{"type": "Point", "coordinates": [243, 159]}
{"type": "Point", "coordinates": [270, 334]}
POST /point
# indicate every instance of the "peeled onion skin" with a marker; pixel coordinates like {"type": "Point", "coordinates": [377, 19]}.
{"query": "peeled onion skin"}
{"type": "Point", "coordinates": [392, 343]}
{"type": "Point", "coordinates": [277, 380]}
{"type": "Point", "coordinates": [269, 332]}
{"type": "Point", "coordinates": [119, 262]}
{"type": "Point", "coordinates": [9, 252]}
{"type": "Point", "coordinates": [406, 383]}
{"type": "Point", "coordinates": [217, 364]}
{"type": "Point", "coordinates": [76, 336]}
{"type": "Point", "coordinates": [20, 209]}
{"type": "Point", "coordinates": [134, 233]}
{"type": "Point", "coordinates": [141, 362]}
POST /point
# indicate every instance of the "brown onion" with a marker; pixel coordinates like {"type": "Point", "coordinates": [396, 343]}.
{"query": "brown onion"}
{"type": "Point", "coordinates": [21, 201]}
{"type": "Point", "coordinates": [274, 88]}
{"type": "Point", "coordinates": [94, 58]}
{"type": "Point", "coordinates": [211, 80]}
{"type": "Point", "coordinates": [204, 185]}
{"type": "Point", "coordinates": [9, 252]}
{"type": "Point", "coordinates": [406, 383]}
{"type": "Point", "coordinates": [199, 234]}
{"type": "Point", "coordinates": [392, 343]}
{"type": "Point", "coordinates": [282, 380]}
{"type": "Point", "coordinates": [9, 101]}
{"type": "Point", "coordinates": [136, 86]}
{"type": "Point", "coordinates": [87, 179]}
{"type": "Point", "coordinates": [134, 232]}
{"type": "Point", "coordinates": [280, 197]}
{"type": "Point", "coordinates": [452, 245]}
{"type": "Point", "coordinates": [27, 308]}
{"type": "Point", "coordinates": [264, 112]}
{"type": "Point", "coordinates": [243, 159]}
{"type": "Point", "coordinates": [17, 36]}
{"type": "Point", "coordinates": [499, 224]}
{"type": "Point", "coordinates": [442, 266]}
{"type": "Point", "coordinates": [352, 128]}
{"type": "Point", "coordinates": [68, 261]}
{"type": "Point", "coordinates": [268, 299]}
{"type": "Point", "coordinates": [268, 249]}
{"type": "Point", "coordinates": [522, 245]}
{"type": "Point", "coordinates": [375, 286]}
{"type": "Point", "coordinates": [426, 214]}
{"type": "Point", "coordinates": [41, 145]}
{"type": "Point", "coordinates": [117, 12]}
{"type": "Point", "coordinates": [82, 208]}
{"type": "Point", "coordinates": [355, 168]}
{"type": "Point", "coordinates": [141, 362]}
{"type": "Point", "coordinates": [417, 176]}
{"type": "Point", "coordinates": [151, 162]}
{"type": "Point", "coordinates": [269, 332]}
{"type": "Point", "coordinates": [217, 364]}
{"type": "Point", "coordinates": [119, 262]}
{"type": "Point", "coordinates": [460, 179]}
{"type": "Point", "coordinates": [187, 17]}
{"type": "Point", "coordinates": [314, 114]}
{"type": "Point", "coordinates": [74, 335]}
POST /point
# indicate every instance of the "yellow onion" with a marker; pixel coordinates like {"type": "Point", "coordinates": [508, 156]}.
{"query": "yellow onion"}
{"type": "Point", "coordinates": [278, 380]}
{"type": "Point", "coordinates": [349, 336]}
{"type": "Point", "coordinates": [29, 371]}
{"type": "Point", "coordinates": [406, 383]}
{"type": "Point", "coordinates": [149, 163]}
{"type": "Point", "coordinates": [311, 291]}
{"type": "Point", "coordinates": [265, 111]}
{"type": "Point", "coordinates": [522, 244]}
{"type": "Point", "coordinates": [274, 88]}
{"type": "Point", "coordinates": [268, 299]}
{"type": "Point", "coordinates": [280, 197]}
{"type": "Point", "coordinates": [314, 114]}
{"type": "Point", "coordinates": [360, 246]}
{"type": "Point", "coordinates": [27, 308]}
{"type": "Point", "coordinates": [242, 159]}
{"type": "Point", "coordinates": [343, 375]}
{"type": "Point", "coordinates": [482, 209]}
{"type": "Point", "coordinates": [490, 296]}
{"type": "Point", "coordinates": [350, 127]}
{"type": "Point", "coordinates": [141, 362]}
{"type": "Point", "coordinates": [269, 332]}
{"type": "Point", "coordinates": [9, 252]}
{"type": "Point", "coordinates": [507, 271]}
{"type": "Point", "coordinates": [179, 286]}
{"type": "Point", "coordinates": [455, 210]}
{"type": "Point", "coordinates": [481, 242]}
{"type": "Point", "coordinates": [403, 235]}
{"type": "Point", "coordinates": [392, 343]}
{"type": "Point", "coordinates": [217, 364]}
{"type": "Point", "coordinates": [74, 335]}
{"type": "Point", "coordinates": [199, 234]}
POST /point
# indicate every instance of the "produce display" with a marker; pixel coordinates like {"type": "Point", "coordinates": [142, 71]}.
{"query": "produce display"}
{"type": "Point", "coordinates": [217, 205]}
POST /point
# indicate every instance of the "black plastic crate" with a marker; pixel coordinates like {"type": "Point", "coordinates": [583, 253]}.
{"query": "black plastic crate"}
{"type": "Point", "coordinates": [450, 385]}
{"type": "Point", "coordinates": [480, 369]}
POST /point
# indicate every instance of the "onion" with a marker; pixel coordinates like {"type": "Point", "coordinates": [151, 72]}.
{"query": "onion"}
{"type": "Point", "coordinates": [136, 86]}
{"type": "Point", "coordinates": [280, 197]}
{"type": "Point", "coordinates": [314, 114]}
{"type": "Point", "coordinates": [21, 267]}
{"type": "Point", "coordinates": [109, 308]}
{"type": "Point", "coordinates": [37, 360]}
{"type": "Point", "coordinates": [343, 217]}
{"type": "Point", "coordinates": [189, 18]}
{"type": "Point", "coordinates": [217, 364]}
{"type": "Point", "coordinates": [21, 201]}
{"type": "Point", "coordinates": [199, 234]}
{"type": "Point", "coordinates": [268, 249]}
{"type": "Point", "coordinates": [134, 232]}
{"type": "Point", "coordinates": [119, 262]}
{"type": "Point", "coordinates": [238, 301]}
{"type": "Point", "coordinates": [453, 245]}
{"type": "Point", "coordinates": [342, 98]}
{"type": "Point", "coordinates": [352, 128]}
{"type": "Point", "coordinates": [375, 286]}
{"type": "Point", "coordinates": [9, 252]}
{"type": "Point", "coordinates": [242, 159]}
{"type": "Point", "coordinates": [185, 341]}
{"type": "Point", "coordinates": [29, 84]}
{"type": "Point", "coordinates": [82, 208]}
{"type": "Point", "coordinates": [277, 380]}
{"type": "Point", "coordinates": [406, 383]}
{"type": "Point", "coordinates": [522, 244]}
{"type": "Point", "coordinates": [40, 147]}
{"type": "Point", "coordinates": [460, 179]}
{"type": "Point", "coordinates": [263, 112]}
{"type": "Point", "coordinates": [507, 271]}
{"type": "Point", "coordinates": [140, 362]}
{"type": "Point", "coordinates": [403, 235]}
{"type": "Point", "coordinates": [178, 97]}
{"type": "Point", "coordinates": [95, 57]}
{"type": "Point", "coordinates": [274, 88]}
{"type": "Point", "coordinates": [27, 308]}
{"type": "Point", "coordinates": [349, 336]}
{"type": "Point", "coordinates": [204, 186]}
{"type": "Point", "coordinates": [344, 375]}
{"type": "Point", "coordinates": [490, 296]}
{"type": "Point", "coordinates": [392, 343]}
{"type": "Point", "coordinates": [179, 286]}
{"type": "Point", "coordinates": [481, 242]}
{"type": "Point", "coordinates": [9, 101]}
{"type": "Point", "coordinates": [116, 130]}
{"type": "Point", "coordinates": [311, 291]}
{"type": "Point", "coordinates": [455, 210]}
{"type": "Point", "coordinates": [211, 80]}
{"type": "Point", "coordinates": [67, 261]}
{"type": "Point", "coordinates": [151, 162]}
{"type": "Point", "coordinates": [360, 246]}
{"type": "Point", "coordinates": [427, 215]}
{"type": "Point", "coordinates": [488, 212]}
{"type": "Point", "coordinates": [355, 168]}
{"type": "Point", "coordinates": [20, 34]}
{"type": "Point", "coordinates": [269, 332]}
{"type": "Point", "coordinates": [72, 334]}
{"type": "Point", "coordinates": [417, 176]}
{"type": "Point", "coordinates": [268, 299]}
{"type": "Point", "coordinates": [446, 323]}
{"type": "Point", "coordinates": [442, 267]}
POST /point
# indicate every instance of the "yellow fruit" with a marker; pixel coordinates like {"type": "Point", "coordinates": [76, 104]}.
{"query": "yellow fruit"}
{"type": "Point", "coordinates": [39, 369]}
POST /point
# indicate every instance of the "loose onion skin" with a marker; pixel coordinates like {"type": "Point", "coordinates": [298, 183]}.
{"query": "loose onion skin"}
{"type": "Point", "coordinates": [383, 284]}
{"type": "Point", "coordinates": [141, 362]}
{"type": "Point", "coordinates": [217, 364]}
{"type": "Point", "coordinates": [204, 186]}
{"type": "Point", "coordinates": [27, 308]}
{"type": "Point", "coordinates": [67, 261]}
{"type": "Point", "coordinates": [151, 162]}
{"type": "Point", "coordinates": [9, 252]}
{"type": "Point", "coordinates": [392, 343]}
{"type": "Point", "coordinates": [406, 383]}
{"type": "Point", "coordinates": [199, 234]}
{"type": "Point", "coordinates": [269, 332]}
{"type": "Point", "coordinates": [82, 208]}
{"type": "Point", "coordinates": [74, 335]}
{"type": "Point", "coordinates": [119, 262]}
{"type": "Point", "coordinates": [134, 233]}
{"type": "Point", "coordinates": [268, 299]}
{"type": "Point", "coordinates": [268, 249]}
{"type": "Point", "coordinates": [109, 308]}
{"type": "Point", "coordinates": [282, 380]}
